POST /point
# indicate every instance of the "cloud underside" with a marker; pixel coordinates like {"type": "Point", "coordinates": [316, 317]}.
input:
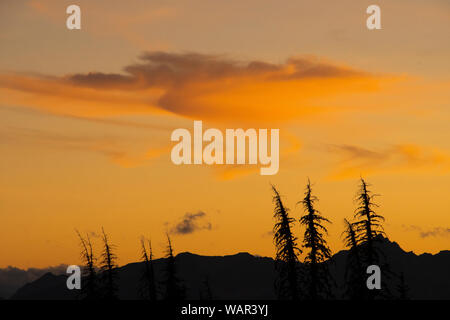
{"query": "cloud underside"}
{"type": "Point", "coordinates": [214, 87]}
{"type": "Point", "coordinates": [194, 85]}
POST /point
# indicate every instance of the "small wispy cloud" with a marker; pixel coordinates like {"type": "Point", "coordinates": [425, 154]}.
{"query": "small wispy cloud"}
{"type": "Point", "coordinates": [114, 148]}
{"type": "Point", "coordinates": [355, 160]}
{"type": "Point", "coordinates": [433, 232]}
{"type": "Point", "coordinates": [190, 223]}
{"type": "Point", "coordinates": [268, 234]}
{"type": "Point", "coordinates": [93, 234]}
{"type": "Point", "coordinates": [436, 232]}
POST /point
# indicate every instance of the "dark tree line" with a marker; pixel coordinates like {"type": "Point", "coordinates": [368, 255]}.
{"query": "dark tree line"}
{"type": "Point", "coordinates": [312, 280]}
{"type": "Point", "coordinates": [101, 282]}
{"type": "Point", "coordinates": [308, 278]}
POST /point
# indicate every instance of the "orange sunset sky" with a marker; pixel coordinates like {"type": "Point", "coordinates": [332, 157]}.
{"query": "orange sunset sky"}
{"type": "Point", "coordinates": [86, 117]}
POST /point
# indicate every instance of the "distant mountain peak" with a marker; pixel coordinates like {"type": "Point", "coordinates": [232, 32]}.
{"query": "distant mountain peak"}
{"type": "Point", "coordinates": [187, 254]}
{"type": "Point", "coordinates": [47, 276]}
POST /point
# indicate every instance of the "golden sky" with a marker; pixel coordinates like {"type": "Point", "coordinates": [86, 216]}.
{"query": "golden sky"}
{"type": "Point", "coordinates": [86, 117]}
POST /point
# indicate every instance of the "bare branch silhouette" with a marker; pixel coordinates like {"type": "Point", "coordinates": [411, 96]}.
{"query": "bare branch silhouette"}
{"type": "Point", "coordinates": [90, 285]}
{"type": "Point", "coordinates": [109, 269]}
{"type": "Point", "coordinates": [148, 289]}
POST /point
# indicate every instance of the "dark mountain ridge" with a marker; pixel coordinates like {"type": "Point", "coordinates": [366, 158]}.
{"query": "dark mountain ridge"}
{"type": "Point", "coordinates": [244, 276]}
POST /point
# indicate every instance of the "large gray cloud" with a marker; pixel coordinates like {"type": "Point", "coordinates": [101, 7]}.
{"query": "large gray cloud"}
{"type": "Point", "coordinates": [192, 85]}
{"type": "Point", "coordinates": [187, 77]}
{"type": "Point", "coordinates": [175, 69]}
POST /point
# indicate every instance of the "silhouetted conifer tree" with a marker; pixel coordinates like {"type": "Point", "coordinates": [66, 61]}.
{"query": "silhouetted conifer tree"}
{"type": "Point", "coordinates": [174, 290]}
{"type": "Point", "coordinates": [354, 271]}
{"type": "Point", "coordinates": [368, 224]}
{"type": "Point", "coordinates": [109, 269]}
{"type": "Point", "coordinates": [403, 288]}
{"type": "Point", "coordinates": [287, 251]}
{"type": "Point", "coordinates": [89, 286]}
{"type": "Point", "coordinates": [318, 277]}
{"type": "Point", "coordinates": [206, 293]}
{"type": "Point", "coordinates": [148, 289]}
{"type": "Point", "coordinates": [369, 231]}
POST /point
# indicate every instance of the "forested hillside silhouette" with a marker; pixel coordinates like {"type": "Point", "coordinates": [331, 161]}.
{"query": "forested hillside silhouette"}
{"type": "Point", "coordinates": [319, 275]}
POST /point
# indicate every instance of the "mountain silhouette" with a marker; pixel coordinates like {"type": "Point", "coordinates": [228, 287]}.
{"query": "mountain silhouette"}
{"type": "Point", "coordinates": [244, 276]}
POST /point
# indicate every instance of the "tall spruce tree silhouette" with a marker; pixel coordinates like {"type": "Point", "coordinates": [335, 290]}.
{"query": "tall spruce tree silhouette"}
{"type": "Point", "coordinates": [355, 287]}
{"type": "Point", "coordinates": [287, 251]}
{"type": "Point", "coordinates": [174, 290]}
{"type": "Point", "coordinates": [369, 232]}
{"type": "Point", "coordinates": [148, 288]}
{"type": "Point", "coordinates": [368, 225]}
{"type": "Point", "coordinates": [318, 279]}
{"type": "Point", "coordinates": [89, 289]}
{"type": "Point", "coordinates": [109, 269]}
